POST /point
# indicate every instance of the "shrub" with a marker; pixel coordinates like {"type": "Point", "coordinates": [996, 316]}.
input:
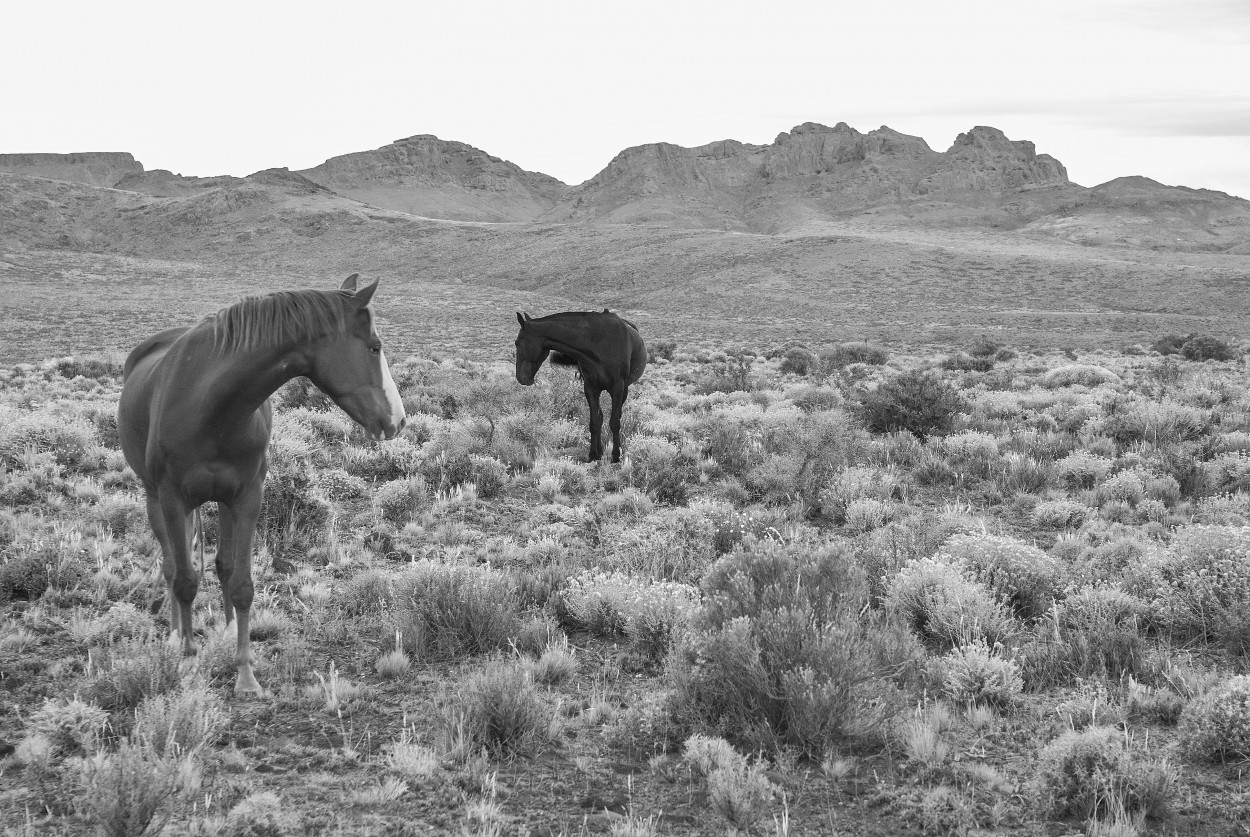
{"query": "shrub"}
{"type": "Point", "coordinates": [799, 361]}
{"type": "Point", "coordinates": [1216, 725]}
{"type": "Point", "coordinates": [180, 722]}
{"type": "Point", "coordinates": [397, 501]}
{"type": "Point", "coordinates": [661, 349]}
{"type": "Point", "coordinates": [737, 789]}
{"type": "Point", "coordinates": [1060, 514]}
{"type": "Point", "coordinates": [649, 612]}
{"type": "Point", "coordinates": [1169, 344]}
{"type": "Point", "coordinates": [1200, 585]}
{"type": "Point", "coordinates": [976, 673]}
{"type": "Point", "coordinates": [961, 362]}
{"type": "Point", "coordinates": [848, 353]}
{"type": "Point", "coordinates": [129, 793]}
{"type": "Point", "coordinates": [779, 656]}
{"type": "Point", "coordinates": [70, 726]}
{"type": "Point", "coordinates": [448, 611]}
{"type": "Point", "coordinates": [1092, 774]}
{"type": "Point", "coordinates": [945, 605]}
{"type": "Point", "coordinates": [916, 401]}
{"type": "Point", "coordinates": [338, 485]}
{"type": "Point", "coordinates": [292, 514]}
{"type": "Point", "coordinates": [1082, 374]}
{"type": "Point", "coordinates": [132, 670]}
{"type": "Point", "coordinates": [1082, 469]}
{"type": "Point", "coordinates": [1021, 574]}
{"type": "Point", "coordinates": [499, 710]}
{"type": "Point", "coordinates": [1203, 348]}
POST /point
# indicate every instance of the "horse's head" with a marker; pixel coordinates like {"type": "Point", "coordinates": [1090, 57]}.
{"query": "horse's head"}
{"type": "Point", "coordinates": [530, 351]}
{"type": "Point", "coordinates": [351, 368]}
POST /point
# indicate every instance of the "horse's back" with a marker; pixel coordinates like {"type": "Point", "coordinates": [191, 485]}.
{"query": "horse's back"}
{"type": "Point", "coordinates": [152, 349]}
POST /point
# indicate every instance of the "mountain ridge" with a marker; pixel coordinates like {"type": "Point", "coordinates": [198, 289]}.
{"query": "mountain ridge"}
{"type": "Point", "coordinates": [809, 176]}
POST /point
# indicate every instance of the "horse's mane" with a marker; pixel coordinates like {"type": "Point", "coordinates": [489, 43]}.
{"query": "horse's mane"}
{"type": "Point", "coordinates": [278, 319]}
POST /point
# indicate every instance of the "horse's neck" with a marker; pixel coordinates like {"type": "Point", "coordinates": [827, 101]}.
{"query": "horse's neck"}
{"type": "Point", "coordinates": [238, 382]}
{"type": "Point", "coordinates": [566, 340]}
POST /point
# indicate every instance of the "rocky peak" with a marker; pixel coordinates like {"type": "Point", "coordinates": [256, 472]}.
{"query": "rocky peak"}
{"type": "Point", "coordinates": [93, 168]}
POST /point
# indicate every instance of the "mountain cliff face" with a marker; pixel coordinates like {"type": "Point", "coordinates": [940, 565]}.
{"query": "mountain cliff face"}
{"type": "Point", "coordinates": [424, 175]}
{"type": "Point", "coordinates": [95, 168]}
{"type": "Point", "coordinates": [809, 172]}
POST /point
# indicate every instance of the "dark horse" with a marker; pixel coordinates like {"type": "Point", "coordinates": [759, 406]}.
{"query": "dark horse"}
{"type": "Point", "coordinates": [607, 350]}
{"type": "Point", "coordinates": [195, 420]}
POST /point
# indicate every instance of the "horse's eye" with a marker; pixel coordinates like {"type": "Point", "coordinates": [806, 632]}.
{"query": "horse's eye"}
{"type": "Point", "coordinates": [377, 350]}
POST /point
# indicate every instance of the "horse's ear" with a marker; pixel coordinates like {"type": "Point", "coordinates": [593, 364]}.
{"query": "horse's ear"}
{"type": "Point", "coordinates": [349, 284]}
{"type": "Point", "coordinates": [521, 318]}
{"type": "Point", "coordinates": [363, 295]}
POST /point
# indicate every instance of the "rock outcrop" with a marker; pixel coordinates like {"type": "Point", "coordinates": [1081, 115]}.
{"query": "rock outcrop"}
{"type": "Point", "coordinates": [162, 183]}
{"type": "Point", "coordinates": [809, 172]}
{"type": "Point", "coordinates": [94, 168]}
{"type": "Point", "coordinates": [424, 175]}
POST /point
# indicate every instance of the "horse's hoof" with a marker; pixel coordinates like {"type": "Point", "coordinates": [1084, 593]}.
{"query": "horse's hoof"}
{"type": "Point", "coordinates": [251, 690]}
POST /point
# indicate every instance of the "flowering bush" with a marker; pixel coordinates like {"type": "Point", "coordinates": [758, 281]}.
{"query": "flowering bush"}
{"type": "Point", "coordinates": [1200, 585]}
{"type": "Point", "coordinates": [1216, 725]}
{"type": "Point", "coordinates": [1228, 472]}
{"type": "Point", "coordinates": [1060, 514]}
{"type": "Point", "coordinates": [1082, 374]}
{"type": "Point", "coordinates": [1093, 774]}
{"type": "Point", "coordinates": [1081, 469]}
{"type": "Point", "coordinates": [945, 605]}
{"type": "Point", "coordinates": [977, 673]}
{"type": "Point", "coordinates": [648, 612]}
{"type": "Point", "coordinates": [338, 485]}
{"type": "Point", "coordinates": [1021, 574]}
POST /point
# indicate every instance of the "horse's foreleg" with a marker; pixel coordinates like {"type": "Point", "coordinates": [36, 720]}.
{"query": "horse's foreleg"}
{"type": "Point", "coordinates": [225, 559]}
{"type": "Point", "coordinates": [237, 589]}
{"type": "Point", "coordinates": [596, 422]}
{"type": "Point", "coordinates": [614, 422]}
{"type": "Point", "coordinates": [171, 522]}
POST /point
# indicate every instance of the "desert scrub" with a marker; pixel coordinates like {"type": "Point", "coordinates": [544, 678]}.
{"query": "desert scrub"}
{"type": "Point", "coordinates": [1080, 374]}
{"type": "Point", "coordinates": [1200, 585]}
{"type": "Point", "coordinates": [1094, 774]}
{"type": "Point", "coordinates": [1082, 469]}
{"type": "Point", "coordinates": [917, 401]}
{"type": "Point", "coordinates": [71, 727]}
{"type": "Point", "coordinates": [1215, 726]}
{"type": "Point", "coordinates": [946, 606]}
{"type": "Point", "coordinates": [1162, 422]}
{"type": "Point", "coordinates": [650, 613]}
{"type": "Point", "coordinates": [977, 673]}
{"type": "Point", "coordinates": [1060, 514]}
{"type": "Point", "coordinates": [132, 791]}
{"type": "Point", "coordinates": [838, 357]}
{"type": "Point", "coordinates": [131, 670]}
{"type": "Point", "coordinates": [1021, 574]}
{"type": "Point", "coordinates": [780, 654]}
{"type": "Point", "coordinates": [738, 789]}
{"type": "Point", "coordinates": [858, 483]}
{"type": "Point", "coordinates": [499, 710]}
{"type": "Point", "coordinates": [398, 501]}
{"type": "Point", "coordinates": [444, 612]}
{"type": "Point", "coordinates": [180, 722]}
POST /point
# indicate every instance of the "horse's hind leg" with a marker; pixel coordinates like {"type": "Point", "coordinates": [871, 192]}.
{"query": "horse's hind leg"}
{"type": "Point", "coordinates": [596, 422]}
{"type": "Point", "coordinates": [171, 522]}
{"type": "Point", "coordinates": [237, 588]}
{"type": "Point", "coordinates": [614, 422]}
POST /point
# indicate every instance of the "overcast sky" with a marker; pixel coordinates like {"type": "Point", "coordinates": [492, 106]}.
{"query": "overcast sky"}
{"type": "Point", "coordinates": [1110, 87]}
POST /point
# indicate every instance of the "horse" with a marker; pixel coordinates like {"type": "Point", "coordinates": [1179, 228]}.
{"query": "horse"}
{"type": "Point", "coordinates": [194, 419]}
{"type": "Point", "coordinates": [607, 350]}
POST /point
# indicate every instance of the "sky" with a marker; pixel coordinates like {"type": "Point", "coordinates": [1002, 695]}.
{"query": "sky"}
{"type": "Point", "coordinates": [1111, 88]}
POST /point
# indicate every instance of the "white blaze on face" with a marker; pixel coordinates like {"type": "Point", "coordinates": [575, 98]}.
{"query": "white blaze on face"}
{"type": "Point", "coordinates": [393, 401]}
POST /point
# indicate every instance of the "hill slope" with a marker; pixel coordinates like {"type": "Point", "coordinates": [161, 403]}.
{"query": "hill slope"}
{"type": "Point", "coordinates": [426, 176]}
{"type": "Point", "coordinates": [67, 268]}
